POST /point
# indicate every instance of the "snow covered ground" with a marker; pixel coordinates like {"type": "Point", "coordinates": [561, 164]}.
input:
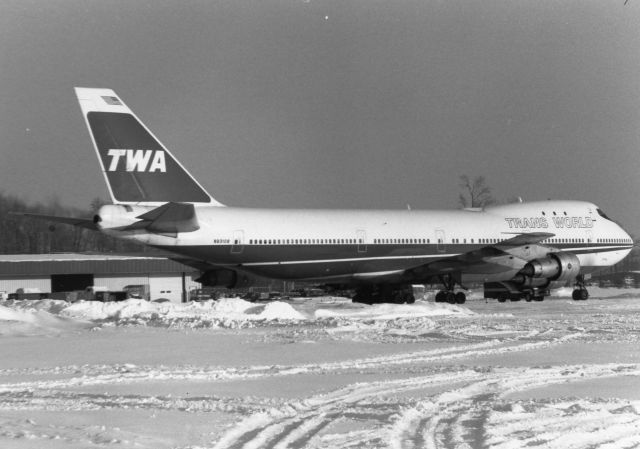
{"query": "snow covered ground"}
{"type": "Point", "coordinates": [322, 373]}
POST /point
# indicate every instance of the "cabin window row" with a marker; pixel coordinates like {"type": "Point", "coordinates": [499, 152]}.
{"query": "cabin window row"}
{"type": "Point", "coordinates": [305, 241]}
{"type": "Point", "coordinates": [615, 241]}
{"type": "Point", "coordinates": [400, 241]}
{"type": "Point", "coordinates": [404, 241]}
{"type": "Point", "coordinates": [565, 241]}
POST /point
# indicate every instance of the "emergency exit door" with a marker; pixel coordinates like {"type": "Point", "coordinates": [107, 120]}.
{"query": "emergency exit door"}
{"type": "Point", "coordinates": [440, 239]}
{"type": "Point", "coordinates": [237, 242]}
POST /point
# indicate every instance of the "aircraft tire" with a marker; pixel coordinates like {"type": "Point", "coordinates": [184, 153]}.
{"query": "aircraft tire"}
{"type": "Point", "coordinates": [584, 294]}
{"type": "Point", "coordinates": [580, 294]}
{"type": "Point", "coordinates": [451, 297]}
{"type": "Point", "coordinates": [461, 298]}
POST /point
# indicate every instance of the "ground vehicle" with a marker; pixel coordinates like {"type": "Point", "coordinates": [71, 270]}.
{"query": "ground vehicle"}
{"type": "Point", "coordinates": [28, 293]}
{"type": "Point", "coordinates": [204, 294]}
{"type": "Point", "coordinates": [139, 291]}
{"type": "Point", "coordinates": [98, 293]}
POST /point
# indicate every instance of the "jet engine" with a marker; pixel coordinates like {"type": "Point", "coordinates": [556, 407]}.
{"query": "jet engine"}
{"type": "Point", "coordinates": [229, 279]}
{"type": "Point", "coordinates": [559, 267]}
{"type": "Point", "coordinates": [218, 278]}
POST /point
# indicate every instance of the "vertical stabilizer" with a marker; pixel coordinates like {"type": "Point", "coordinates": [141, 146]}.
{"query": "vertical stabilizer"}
{"type": "Point", "coordinates": [137, 167]}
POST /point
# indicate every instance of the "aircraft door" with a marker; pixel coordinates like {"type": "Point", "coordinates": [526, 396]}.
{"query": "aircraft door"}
{"type": "Point", "coordinates": [440, 239]}
{"type": "Point", "coordinates": [237, 242]}
{"type": "Point", "coordinates": [589, 237]}
{"type": "Point", "coordinates": [361, 236]}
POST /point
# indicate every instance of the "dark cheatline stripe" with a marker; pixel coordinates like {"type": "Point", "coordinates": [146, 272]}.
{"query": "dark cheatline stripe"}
{"type": "Point", "coordinates": [298, 261]}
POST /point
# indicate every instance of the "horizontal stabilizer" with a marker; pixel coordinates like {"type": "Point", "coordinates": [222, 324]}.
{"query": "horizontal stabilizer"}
{"type": "Point", "coordinates": [80, 222]}
{"type": "Point", "coordinates": [169, 218]}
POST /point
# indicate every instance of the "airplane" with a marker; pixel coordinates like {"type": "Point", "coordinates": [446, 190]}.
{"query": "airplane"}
{"type": "Point", "coordinates": [516, 251]}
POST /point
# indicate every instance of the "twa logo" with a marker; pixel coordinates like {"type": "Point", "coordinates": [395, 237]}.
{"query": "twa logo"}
{"type": "Point", "coordinates": [138, 160]}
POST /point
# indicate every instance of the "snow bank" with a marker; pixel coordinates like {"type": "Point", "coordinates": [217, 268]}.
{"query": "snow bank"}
{"type": "Point", "coordinates": [225, 312]}
{"type": "Point", "coordinates": [394, 311]}
{"type": "Point", "coordinates": [280, 311]}
{"type": "Point", "coordinates": [23, 318]}
{"type": "Point", "coordinates": [6, 314]}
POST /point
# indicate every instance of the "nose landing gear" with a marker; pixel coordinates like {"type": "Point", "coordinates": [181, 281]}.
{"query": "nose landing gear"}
{"type": "Point", "coordinates": [580, 293]}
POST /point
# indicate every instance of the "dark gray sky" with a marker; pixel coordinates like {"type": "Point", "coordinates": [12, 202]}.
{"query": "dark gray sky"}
{"type": "Point", "coordinates": [348, 104]}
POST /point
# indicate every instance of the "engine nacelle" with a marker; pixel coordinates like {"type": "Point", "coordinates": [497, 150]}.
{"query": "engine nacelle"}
{"type": "Point", "coordinates": [557, 267]}
{"type": "Point", "coordinates": [229, 279]}
{"type": "Point", "coordinates": [218, 278]}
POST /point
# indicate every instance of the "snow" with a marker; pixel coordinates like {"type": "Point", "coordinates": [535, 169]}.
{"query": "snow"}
{"type": "Point", "coordinates": [322, 372]}
{"type": "Point", "coordinates": [225, 312]}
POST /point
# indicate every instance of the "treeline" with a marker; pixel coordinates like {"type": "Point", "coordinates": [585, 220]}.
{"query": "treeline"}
{"type": "Point", "coordinates": [23, 235]}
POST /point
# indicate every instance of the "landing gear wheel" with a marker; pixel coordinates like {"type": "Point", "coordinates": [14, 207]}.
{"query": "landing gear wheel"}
{"type": "Point", "coordinates": [448, 294]}
{"type": "Point", "coordinates": [527, 297]}
{"type": "Point", "coordinates": [580, 294]}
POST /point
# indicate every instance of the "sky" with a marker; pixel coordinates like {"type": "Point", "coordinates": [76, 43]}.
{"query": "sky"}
{"type": "Point", "coordinates": [334, 104]}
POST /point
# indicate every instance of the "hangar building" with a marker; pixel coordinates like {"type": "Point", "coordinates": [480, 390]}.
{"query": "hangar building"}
{"type": "Point", "coordinates": [69, 272]}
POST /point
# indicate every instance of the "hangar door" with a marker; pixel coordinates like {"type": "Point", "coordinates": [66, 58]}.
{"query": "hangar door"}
{"type": "Point", "coordinates": [70, 282]}
{"type": "Point", "coordinates": [166, 286]}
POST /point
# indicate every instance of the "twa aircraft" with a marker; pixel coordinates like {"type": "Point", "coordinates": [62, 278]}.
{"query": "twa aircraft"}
{"type": "Point", "coordinates": [518, 251]}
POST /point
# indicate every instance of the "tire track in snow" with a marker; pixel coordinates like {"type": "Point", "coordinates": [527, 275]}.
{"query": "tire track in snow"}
{"type": "Point", "coordinates": [455, 418]}
{"type": "Point", "coordinates": [282, 426]}
{"type": "Point", "coordinates": [460, 413]}
{"type": "Point", "coordinates": [92, 375]}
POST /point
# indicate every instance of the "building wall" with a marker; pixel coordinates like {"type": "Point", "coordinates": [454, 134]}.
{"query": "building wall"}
{"type": "Point", "coordinates": [34, 271]}
{"type": "Point", "coordinates": [10, 284]}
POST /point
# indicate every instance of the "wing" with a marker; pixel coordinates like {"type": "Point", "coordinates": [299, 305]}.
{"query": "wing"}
{"type": "Point", "coordinates": [508, 256]}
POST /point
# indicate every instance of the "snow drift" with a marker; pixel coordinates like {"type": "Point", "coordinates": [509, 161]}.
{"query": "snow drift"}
{"type": "Point", "coordinates": [225, 312]}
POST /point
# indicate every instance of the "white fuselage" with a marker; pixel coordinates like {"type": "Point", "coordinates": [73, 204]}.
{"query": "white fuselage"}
{"type": "Point", "coordinates": [355, 244]}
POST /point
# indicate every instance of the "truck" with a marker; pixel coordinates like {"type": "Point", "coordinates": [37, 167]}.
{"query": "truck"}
{"type": "Point", "coordinates": [28, 293]}
{"type": "Point", "coordinates": [138, 291]}
{"type": "Point", "coordinates": [99, 293]}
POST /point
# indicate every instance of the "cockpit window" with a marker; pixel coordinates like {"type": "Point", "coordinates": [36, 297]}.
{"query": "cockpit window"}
{"type": "Point", "coordinates": [603, 215]}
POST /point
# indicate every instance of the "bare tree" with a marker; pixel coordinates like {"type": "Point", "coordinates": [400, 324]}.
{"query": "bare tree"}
{"type": "Point", "coordinates": [476, 192]}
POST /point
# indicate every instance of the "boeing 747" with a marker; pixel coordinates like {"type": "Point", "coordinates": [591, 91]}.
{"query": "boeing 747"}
{"type": "Point", "coordinates": [517, 251]}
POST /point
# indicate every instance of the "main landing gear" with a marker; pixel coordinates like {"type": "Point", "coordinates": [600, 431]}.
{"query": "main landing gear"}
{"type": "Point", "coordinates": [448, 294]}
{"type": "Point", "coordinates": [580, 293]}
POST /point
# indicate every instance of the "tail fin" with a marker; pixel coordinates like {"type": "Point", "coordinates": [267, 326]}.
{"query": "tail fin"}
{"type": "Point", "coordinates": [137, 167]}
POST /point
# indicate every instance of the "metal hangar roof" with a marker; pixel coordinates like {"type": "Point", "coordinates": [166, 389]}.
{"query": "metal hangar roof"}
{"type": "Point", "coordinates": [69, 263]}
